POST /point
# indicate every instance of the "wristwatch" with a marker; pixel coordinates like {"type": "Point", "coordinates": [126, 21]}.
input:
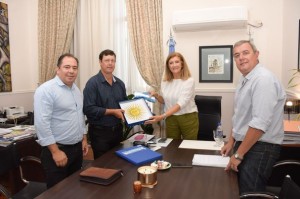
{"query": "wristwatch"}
{"type": "Point", "coordinates": [238, 157]}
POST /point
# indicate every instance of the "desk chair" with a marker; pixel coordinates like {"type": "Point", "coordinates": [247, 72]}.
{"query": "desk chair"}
{"type": "Point", "coordinates": [280, 170]}
{"type": "Point", "coordinates": [8, 158]}
{"type": "Point", "coordinates": [34, 184]}
{"type": "Point", "coordinates": [289, 190]}
{"type": "Point", "coordinates": [209, 113]}
{"type": "Point", "coordinates": [8, 162]}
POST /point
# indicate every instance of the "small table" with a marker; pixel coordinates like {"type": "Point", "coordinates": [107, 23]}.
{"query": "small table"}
{"type": "Point", "coordinates": [195, 182]}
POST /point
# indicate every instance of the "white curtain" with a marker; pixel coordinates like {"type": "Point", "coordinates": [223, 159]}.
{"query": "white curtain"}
{"type": "Point", "coordinates": [100, 25]}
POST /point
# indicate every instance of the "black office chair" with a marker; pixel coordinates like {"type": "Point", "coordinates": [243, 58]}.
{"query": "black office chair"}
{"type": "Point", "coordinates": [35, 184]}
{"type": "Point", "coordinates": [8, 161]}
{"type": "Point", "coordinates": [209, 113]}
{"type": "Point", "coordinates": [280, 170]}
{"type": "Point", "coordinates": [8, 158]}
{"type": "Point", "coordinates": [289, 190]}
{"type": "Point", "coordinates": [275, 183]}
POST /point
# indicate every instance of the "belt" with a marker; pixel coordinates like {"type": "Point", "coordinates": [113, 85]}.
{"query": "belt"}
{"type": "Point", "coordinates": [68, 145]}
{"type": "Point", "coordinates": [261, 143]}
{"type": "Point", "coordinates": [100, 127]}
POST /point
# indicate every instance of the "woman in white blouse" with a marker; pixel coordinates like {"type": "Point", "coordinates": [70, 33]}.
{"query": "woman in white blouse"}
{"type": "Point", "coordinates": [178, 93]}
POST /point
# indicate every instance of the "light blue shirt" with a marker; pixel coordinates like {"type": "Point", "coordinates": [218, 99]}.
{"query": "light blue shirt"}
{"type": "Point", "coordinates": [259, 102]}
{"type": "Point", "coordinates": [58, 115]}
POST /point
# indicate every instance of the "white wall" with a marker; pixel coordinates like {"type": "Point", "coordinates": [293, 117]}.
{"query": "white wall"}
{"type": "Point", "coordinates": [277, 41]}
{"type": "Point", "coordinates": [268, 39]}
{"type": "Point", "coordinates": [291, 17]}
{"type": "Point", "coordinates": [22, 16]}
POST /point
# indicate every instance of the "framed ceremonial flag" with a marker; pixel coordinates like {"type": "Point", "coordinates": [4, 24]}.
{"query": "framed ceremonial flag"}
{"type": "Point", "coordinates": [136, 111]}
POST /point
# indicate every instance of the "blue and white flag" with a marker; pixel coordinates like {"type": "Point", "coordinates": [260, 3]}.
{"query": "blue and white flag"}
{"type": "Point", "coordinates": [171, 42]}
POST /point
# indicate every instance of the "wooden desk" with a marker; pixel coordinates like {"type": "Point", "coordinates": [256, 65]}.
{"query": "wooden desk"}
{"type": "Point", "coordinates": [291, 126]}
{"type": "Point", "coordinates": [196, 182]}
{"type": "Point", "coordinates": [290, 151]}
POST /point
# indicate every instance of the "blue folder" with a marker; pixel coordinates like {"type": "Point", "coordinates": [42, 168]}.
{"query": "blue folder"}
{"type": "Point", "coordinates": [139, 155]}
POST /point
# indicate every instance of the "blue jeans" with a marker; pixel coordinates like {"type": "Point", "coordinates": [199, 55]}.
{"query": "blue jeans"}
{"type": "Point", "coordinates": [256, 167]}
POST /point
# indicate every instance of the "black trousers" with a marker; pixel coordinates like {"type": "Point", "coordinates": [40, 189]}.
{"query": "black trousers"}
{"type": "Point", "coordinates": [56, 174]}
{"type": "Point", "coordinates": [104, 138]}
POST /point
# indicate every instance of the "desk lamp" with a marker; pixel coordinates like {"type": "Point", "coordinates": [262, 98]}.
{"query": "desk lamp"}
{"type": "Point", "coordinates": [289, 105]}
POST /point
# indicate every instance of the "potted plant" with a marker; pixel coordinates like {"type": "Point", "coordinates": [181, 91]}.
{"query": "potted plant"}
{"type": "Point", "coordinates": [295, 77]}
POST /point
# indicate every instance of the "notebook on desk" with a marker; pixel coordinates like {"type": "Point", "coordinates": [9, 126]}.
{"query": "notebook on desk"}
{"type": "Point", "coordinates": [210, 160]}
{"type": "Point", "coordinates": [199, 144]}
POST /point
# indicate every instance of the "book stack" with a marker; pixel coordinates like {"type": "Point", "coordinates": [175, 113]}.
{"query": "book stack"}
{"type": "Point", "coordinates": [7, 136]}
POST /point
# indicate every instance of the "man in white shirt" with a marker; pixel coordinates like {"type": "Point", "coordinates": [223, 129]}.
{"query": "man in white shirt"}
{"type": "Point", "coordinates": [257, 132]}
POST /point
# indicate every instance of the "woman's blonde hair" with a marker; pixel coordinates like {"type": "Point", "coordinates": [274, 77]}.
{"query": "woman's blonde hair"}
{"type": "Point", "coordinates": [185, 72]}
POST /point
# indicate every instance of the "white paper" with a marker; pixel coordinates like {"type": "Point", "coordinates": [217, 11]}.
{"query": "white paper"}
{"type": "Point", "coordinates": [198, 144]}
{"type": "Point", "coordinates": [4, 131]}
{"type": "Point", "coordinates": [210, 160]}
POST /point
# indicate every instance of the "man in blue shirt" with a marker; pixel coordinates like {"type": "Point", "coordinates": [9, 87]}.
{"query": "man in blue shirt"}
{"type": "Point", "coordinates": [59, 122]}
{"type": "Point", "coordinates": [257, 132]}
{"type": "Point", "coordinates": [102, 95]}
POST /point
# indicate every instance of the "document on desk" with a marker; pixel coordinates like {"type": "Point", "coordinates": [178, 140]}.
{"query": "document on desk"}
{"type": "Point", "coordinates": [210, 160]}
{"type": "Point", "coordinates": [198, 144]}
{"type": "Point", "coordinates": [4, 131]}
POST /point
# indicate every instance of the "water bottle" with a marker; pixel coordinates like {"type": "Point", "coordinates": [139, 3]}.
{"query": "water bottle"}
{"type": "Point", "coordinates": [219, 134]}
{"type": "Point", "coordinates": [219, 130]}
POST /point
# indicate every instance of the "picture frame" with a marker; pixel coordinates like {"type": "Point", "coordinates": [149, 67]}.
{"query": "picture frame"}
{"type": "Point", "coordinates": [136, 111]}
{"type": "Point", "coordinates": [299, 47]}
{"type": "Point", "coordinates": [216, 64]}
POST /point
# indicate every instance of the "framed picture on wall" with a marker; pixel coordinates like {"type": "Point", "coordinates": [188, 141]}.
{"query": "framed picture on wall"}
{"type": "Point", "coordinates": [299, 48]}
{"type": "Point", "coordinates": [216, 64]}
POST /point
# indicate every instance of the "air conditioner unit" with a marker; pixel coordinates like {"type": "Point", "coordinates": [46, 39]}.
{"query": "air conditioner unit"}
{"type": "Point", "coordinates": [218, 18]}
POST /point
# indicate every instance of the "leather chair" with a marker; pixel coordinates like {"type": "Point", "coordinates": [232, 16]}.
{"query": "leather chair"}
{"type": "Point", "coordinates": [30, 171]}
{"type": "Point", "coordinates": [280, 170]}
{"type": "Point", "coordinates": [289, 190]}
{"type": "Point", "coordinates": [278, 184]}
{"type": "Point", "coordinates": [209, 113]}
{"type": "Point", "coordinates": [35, 184]}
{"type": "Point", "coordinates": [8, 158]}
